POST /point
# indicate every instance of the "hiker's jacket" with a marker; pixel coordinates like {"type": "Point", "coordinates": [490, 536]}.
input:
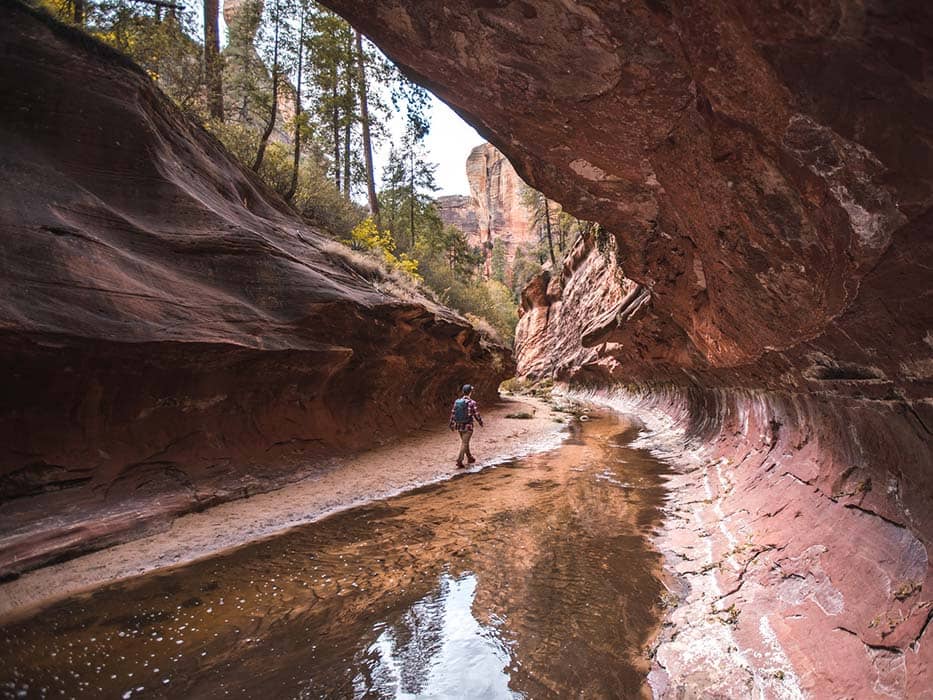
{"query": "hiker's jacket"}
{"type": "Point", "coordinates": [472, 411]}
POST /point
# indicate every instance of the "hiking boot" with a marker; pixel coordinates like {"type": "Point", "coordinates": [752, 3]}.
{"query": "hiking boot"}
{"type": "Point", "coordinates": [471, 459]}
{"type": "Point", "coordinates": [461, 465]}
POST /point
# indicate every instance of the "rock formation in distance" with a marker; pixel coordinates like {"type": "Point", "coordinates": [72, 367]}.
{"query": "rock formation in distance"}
{"type": "Point", "coordinates": [494, 210]}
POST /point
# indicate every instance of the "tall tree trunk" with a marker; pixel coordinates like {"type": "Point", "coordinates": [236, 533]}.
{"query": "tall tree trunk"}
{"type": "Point", "coordinates": [349, 112]}
{"type": "Point", "coordinates": [79, 8]}
{"type": "Point", "coordinates": [411, 195]}
{"type": "Point", "coordinates": [292, 188]}
{"type": "Point", "coordinates": [264, 140]}
{"type": "Point", "coordinates": [213, 77]}
{"type": "Point", "coordinates": [347, 124]}
{"type": "Point", "coordinates": [547, 226]}
{"type": "Point", "coordinates": [367, 140]}
{"type": "Point", "coordinates": [335, 125]}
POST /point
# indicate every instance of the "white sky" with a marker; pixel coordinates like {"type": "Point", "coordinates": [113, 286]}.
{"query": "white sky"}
{"type": "Point", "coordinates": [448, 144]}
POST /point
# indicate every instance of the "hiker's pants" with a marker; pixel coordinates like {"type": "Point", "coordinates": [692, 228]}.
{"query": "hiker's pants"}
{"type": "Point", "coordinates": [465, 444]}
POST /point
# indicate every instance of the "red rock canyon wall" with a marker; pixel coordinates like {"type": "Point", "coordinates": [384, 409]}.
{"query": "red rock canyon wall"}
{"type": "Point", "coordinates": [494, 211]}
{"type": "Point", "coordinates": [171, 335]}
{"type": "Point", "coordinates": [765, 175]}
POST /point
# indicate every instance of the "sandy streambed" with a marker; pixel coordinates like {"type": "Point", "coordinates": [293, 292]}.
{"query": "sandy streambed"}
{"type": "Point", "coordinates": [379, 473]}
{"type": "Point", "coordinates": [535, 579]}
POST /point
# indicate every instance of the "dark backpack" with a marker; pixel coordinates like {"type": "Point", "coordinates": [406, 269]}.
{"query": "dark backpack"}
{"type": "Point", "coordinates": [462, 411]}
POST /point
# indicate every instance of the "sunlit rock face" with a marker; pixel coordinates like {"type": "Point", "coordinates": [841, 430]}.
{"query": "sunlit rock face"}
{"type": "Point", "coordinates": [171, 334]}
{"type": "Point", "coordinates": [231, 8]}
{"type": "Point", "coordinates": [495, 210]}
{"type": "Point", "coordinates": [765, 172]}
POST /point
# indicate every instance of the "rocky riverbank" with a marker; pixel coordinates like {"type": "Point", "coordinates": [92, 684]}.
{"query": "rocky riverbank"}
{"type": "Point", "coordinates": [783, 588]}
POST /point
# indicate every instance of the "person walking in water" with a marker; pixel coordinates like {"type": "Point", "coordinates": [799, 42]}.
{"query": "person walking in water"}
{"type": "Point", "coordinates": [462, 415]}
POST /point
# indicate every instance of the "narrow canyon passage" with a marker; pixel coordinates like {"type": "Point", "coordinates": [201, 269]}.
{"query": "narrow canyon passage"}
{"type": "Point", "coordinates": [753, 282]}
{"type": "Point", "coordinates": [533, 579]}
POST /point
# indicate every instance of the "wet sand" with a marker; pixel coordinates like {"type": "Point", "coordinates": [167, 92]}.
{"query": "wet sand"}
{"type": "Point", "coordinates": [534, 579]}
{"type": "Point", "coordinates": [424, 458]}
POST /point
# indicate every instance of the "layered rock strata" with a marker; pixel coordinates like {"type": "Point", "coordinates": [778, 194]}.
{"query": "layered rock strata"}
{"type": "Point", "coordinates": [171, 334]}
{"type": "Point", "coordinates": [495, 210]}
{"type": "Point", "coordinates": [765, 173]}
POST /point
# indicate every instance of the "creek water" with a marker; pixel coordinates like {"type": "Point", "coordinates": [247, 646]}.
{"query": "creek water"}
{"type": "Point", "coordinates": [533, 579]}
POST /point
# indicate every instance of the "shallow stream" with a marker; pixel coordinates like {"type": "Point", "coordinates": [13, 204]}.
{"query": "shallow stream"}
{"type": "Point", "coordinates": [533, 579]}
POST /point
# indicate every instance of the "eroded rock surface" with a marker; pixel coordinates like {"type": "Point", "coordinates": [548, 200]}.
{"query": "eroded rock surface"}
{"type": "Point", "coordinates": [171, 335]}
{"type": "Point", "coordinates": [494, 210]}
{"type": "Point", "coordinates": [765, 173]}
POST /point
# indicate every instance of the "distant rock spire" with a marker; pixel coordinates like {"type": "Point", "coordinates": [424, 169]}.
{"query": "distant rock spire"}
{"type": "Point", "coordinates": [232, 8]}
{"type": "Point", "coordinates": [494, 211]}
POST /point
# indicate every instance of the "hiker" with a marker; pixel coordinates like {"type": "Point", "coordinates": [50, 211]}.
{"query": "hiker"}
{"type": "Point", "coordinates": [461, 419]}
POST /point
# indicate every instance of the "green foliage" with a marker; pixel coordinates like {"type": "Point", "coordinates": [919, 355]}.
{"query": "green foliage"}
{"type": "Point", "coordinates": [56, 15]}
{"type": "Point", "coordinates": [158, 42]}
{"type": "Point", "coordinates": [245, 77]}
{"type": "Point", "coordinates": [542, 217]}
{"type": "Point", "coordinates": [605, 243]}
{"type": "Point", "coordinates": [316, 198]}
{"type": "Point", "coordinates": [527, 264]}
{"type": "Point", "coordinates": [332, 95]}
{"type": "Point", "coordinates": [467, 292]}
{"type": "Point", "coordinates": [334, 98]}
{"type": "Point", "coordinates": [564, 228]}
{"type": "Point", "coordinates": [406, 200]}
{"type": "Point", "coordinates": [447, 246]}
{"type": "Point", "coordinates": [498, 262]}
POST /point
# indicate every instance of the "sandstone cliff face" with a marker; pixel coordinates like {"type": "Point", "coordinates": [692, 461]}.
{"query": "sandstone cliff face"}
{"type": "Point", "coordinates": [458, 210]}
{"type": "Point", "coordinates": [494, 210]}
{"type": "Point", "coordinates": [766, 173]}
{"type": "Point", "coordinates": [171, 335]}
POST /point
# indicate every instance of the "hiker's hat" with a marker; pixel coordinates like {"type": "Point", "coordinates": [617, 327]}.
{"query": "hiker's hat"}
{"type": "Point", "coordinates": [467, 388]}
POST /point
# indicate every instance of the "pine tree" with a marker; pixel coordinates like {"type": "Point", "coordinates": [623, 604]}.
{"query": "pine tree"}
{"type": "Point", "coordinates": [213, 77]}
{"type": "Point", "coordinates": [406, 198]}
{"type": "Point", "coordinates": [393, 196]}
{"type": "Point", "coordinates": [367, 137]}
{"type": "Point", "coordinates": [244, 70]}
{"type": "Point", "coordinates": [331, 60]}
{"type": "Point", "coordinates": [299, 109]}
{"type": "Point", "coordinates": [541, 217]}
{"type": "Point", "coordinates": [278, 19]}
{"type": "Point", "coordinates": [421, 182]}
{"type": "Point", "coordinates": [499, 262]}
